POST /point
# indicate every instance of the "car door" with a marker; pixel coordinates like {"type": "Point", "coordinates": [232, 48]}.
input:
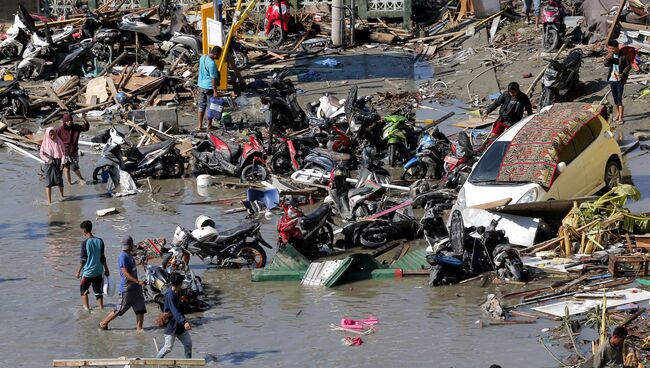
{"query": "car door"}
{"type": "Point", "coordinates": [589, 158]}
{"type": "Point", "coordinates": [569, 182]}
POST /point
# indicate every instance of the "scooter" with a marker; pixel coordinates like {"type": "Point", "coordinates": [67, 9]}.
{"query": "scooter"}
{"type": "Point", "coordinates": [18, 35]}
{"type": "Point", "coordinates": [280, 107]}
{"type": "Point", "coordinates": [79, 60]}
{"type": "Point", "coordinates": [160, 160]}
{"type": "Point", "coordinates": [276, 22]}
{"type": "Point", "coordinates": [428, 161]}
{"type": "Point", "coordinates": [311, 234]}
{"type": "Point", "coordinates": [371, 169]}
{"type": "Point", "coordinates": [508, 263]}
{"type": "Point", "coordinates": [14, 100]}
{"type": "Point", "coordinates": [553, 25]}
{"type": "Point", "coordinates": [291, 153]}
{"type": "Point", "coordinates": [560, 78]}
{"type": "Point", "coordinates": [219, 156]}
{"type": "Point", "coordinates": [234, 248]}
{"type": "Point", "coordinates": [394, 136]}
{"type": "Point", "coordinates": [157, 280]}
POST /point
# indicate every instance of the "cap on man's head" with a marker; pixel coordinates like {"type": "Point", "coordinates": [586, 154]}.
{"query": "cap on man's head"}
{"type": "Point", "coordinates": [127, 242]}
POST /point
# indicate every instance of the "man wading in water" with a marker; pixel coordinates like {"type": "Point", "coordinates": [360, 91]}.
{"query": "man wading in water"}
{"type": "Point", "coordinates": [92, 265]}
{"type": "Point", "coordinates": [131, 295]}
{"type": "Point", "coordinates": [69, 133]}
{"type": "Point", "coordinates": [177, 326]}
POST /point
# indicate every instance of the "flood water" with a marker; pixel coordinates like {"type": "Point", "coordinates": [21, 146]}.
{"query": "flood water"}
{"type": "Point", "coordinates": [279, 324]}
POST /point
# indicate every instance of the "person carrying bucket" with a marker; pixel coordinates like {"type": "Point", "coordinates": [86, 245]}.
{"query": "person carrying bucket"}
{"type": "Point", "coordinates": [207, 85]}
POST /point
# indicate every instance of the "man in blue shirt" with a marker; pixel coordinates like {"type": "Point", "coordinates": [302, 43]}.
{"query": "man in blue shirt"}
{"type": "Point", "coordinates": [91, 266]}
{"type": "Point", "coordinates": [207, 82]}
{"type": "Point", "coordinates": [131, 294]}
{"type": "Point", "coordinates": [177, 326]}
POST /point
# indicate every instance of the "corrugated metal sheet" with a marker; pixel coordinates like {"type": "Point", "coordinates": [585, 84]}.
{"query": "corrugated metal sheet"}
{"type": "Point", "coordinates": [318, 272]}
{"type": "Point", "coordinates": [353, 268]}
{"type": "Point", "coordinates": [412, 261]}
{"type": "Point", "coordinates": [287, 265]}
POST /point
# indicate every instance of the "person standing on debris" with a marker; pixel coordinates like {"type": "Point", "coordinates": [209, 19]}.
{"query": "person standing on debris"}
{"type": "Point", "coordinates": [92, 265]}
{"type": "Point", "coordinates": [513, 103]}
{"type": "Point", "coordinates": [131, 295]}
{"type": "Point", "coordinates": [177, 326]}
{"type": "Point", "coordinates": [611, 352]}
{"type": "Point", "coordinates": [53, 153]}
{"type": "Point", "coordinates": [619, 68]}
{"type": "Point", "coordinates": [207, 82]}
{"type": "Point", "coordinates": [69, 133]}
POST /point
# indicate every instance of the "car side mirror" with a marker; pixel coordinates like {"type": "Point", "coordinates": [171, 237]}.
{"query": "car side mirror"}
{"type": "Point", "coordinates": [561, 166]}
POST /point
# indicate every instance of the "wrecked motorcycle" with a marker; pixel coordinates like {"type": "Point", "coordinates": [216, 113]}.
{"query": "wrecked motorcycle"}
{"type": "Point", "coordinates": [219, 156]}
{"type": "Point", "coordinates": [560, 78]}
{"type": "Point", "coordinates": [234, 248]}
{"type": "Point", "coordinates": [14, 100]}
{"type": "Point", "coordinates": [310, 234]}
{"type": "Point", "coordinates": [159, 160]}
{"type": "Point", "coordinates": [428, 162]}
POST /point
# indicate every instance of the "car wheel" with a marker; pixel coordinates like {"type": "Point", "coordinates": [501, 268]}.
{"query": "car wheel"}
{"type": "Point", "coordinates": [612, 174]}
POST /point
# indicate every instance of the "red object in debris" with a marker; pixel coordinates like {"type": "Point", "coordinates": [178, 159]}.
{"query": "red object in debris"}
{"type": "Point", "coordinates": [353, 341]}
{"type": "Point", "coordinates": [527, 75]}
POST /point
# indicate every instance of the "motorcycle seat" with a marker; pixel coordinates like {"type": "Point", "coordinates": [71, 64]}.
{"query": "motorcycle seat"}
{"type": "Point", "coordinates": [230, 234]}
{"type": "Point", "coordinates": [360, 191]}
{"type": "Point", "coordinates": [151, 147]}
{"type": "Point", "coordinates": [572, 60]}
{"type": "Point", "coordinates": [336, 156]}
{"type": "Point", "coordinates": [235, 150]}
{"type": "Point", "coordinates": [310, 220]}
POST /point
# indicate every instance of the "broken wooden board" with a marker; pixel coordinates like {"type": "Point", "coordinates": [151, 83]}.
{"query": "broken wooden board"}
{"type": "Point", "coordinates": [136, 82]}
{"type": "Point", "coordinates": [473, 123]}
{"type": "Point", "coordinates": [632, 295]}
{"type": "Point", "coordinates": [107, 211]}
{"type": "Point", "coordinates": [96, 87]}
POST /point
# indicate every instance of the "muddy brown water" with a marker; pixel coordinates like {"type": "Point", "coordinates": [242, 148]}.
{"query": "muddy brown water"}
{"type": "Point", "coordinates": [279, 324]}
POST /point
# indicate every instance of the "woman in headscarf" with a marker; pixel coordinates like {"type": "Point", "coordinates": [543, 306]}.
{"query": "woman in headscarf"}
{"type": "Point", "coordinates": [52, 152]}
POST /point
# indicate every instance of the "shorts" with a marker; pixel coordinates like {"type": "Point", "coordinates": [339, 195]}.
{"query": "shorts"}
{"type": "Point", "coordinates": [617, 92]}
{"type": "Point", "coordinates": [72, 162]}
{"type": "Point", "coordinates": [499, 127]}
{"type": "Point", "coordinates": [95, 282]}
{"type": "Point", "coordinates": [131, 299]}
{"type": "Point", "coordinates": [204, 98]}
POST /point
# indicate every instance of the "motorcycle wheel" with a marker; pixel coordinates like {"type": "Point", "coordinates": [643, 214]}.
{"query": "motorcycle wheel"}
{"type": "Point", "coordinates": [550, 40]}
{"type": "Point", "coordinates": [457, 234]}
{"type": "Point", "coordinates": [98, 172]}
{"type": "Point", "coordinates": [160, 300]}
{"type": "Point", "coordinates": [177, 50]}
{"type": "Point", "coordinates": [392, 154]}
{"type": "Point", "coordinates": [276, 36]}
{"type": "Point", "coordinates": [280, 163]}
{"type": "Point", "coordinates": [516, 271]}
{"type": "Point", "coordinates": [253, 173]}
{"type": "Point", "coordinates": [546, 98]}
{"type": "Point", "coordinates": [418, 171]}
{"type": "Point", "coordinates": [324, 238]}
{"type": "Point", "coordinates": [241, 60]}
{"type": "Point", "coordinates": [174, 166]}
{"type": "Point", "coordinates": [435, 276]}
{"type": "Point", "coordinates": [253, 253]}
{"type": "Point", "coordinates": [376, 235]}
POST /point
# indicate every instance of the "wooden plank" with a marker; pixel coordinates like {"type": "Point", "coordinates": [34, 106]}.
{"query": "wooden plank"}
{"type": "Point", "coordinates": [56, 98]}
{"type": "Point", "coordinates": [167, 362]}
{"type": "Point", "coordinates": [621, 5]}
{"type": "Point", "coordinates": [485, 206]}
{"type": "Point", "coordinates": [111, 87]}
{"type": "Point", "coordinates": [473, 123]}
{"type": "Point", "coordinates": [142, 131]}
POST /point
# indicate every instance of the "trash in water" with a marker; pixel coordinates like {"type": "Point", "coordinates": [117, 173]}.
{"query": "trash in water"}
{"type": "Point", "coordinates": [327, 62]}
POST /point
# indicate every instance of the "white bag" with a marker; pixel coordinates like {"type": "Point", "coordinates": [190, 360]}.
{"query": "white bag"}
{"type": "Point", "coordinates": [108, 286]}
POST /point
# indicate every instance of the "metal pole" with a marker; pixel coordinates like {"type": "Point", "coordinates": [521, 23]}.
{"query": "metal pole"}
{"type": "Point", "coordinates": [215, 10]}
{"type": "Point", "coordinates": [352, 21]}
{"type": "Point", "coordinates": [338, 22]}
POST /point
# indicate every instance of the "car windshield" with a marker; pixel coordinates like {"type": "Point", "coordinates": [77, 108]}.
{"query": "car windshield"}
{"type": "Point", "coordinates": [487, 168]}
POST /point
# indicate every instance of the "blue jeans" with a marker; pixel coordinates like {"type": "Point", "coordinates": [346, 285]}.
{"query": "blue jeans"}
{"type": "Point", "coordinates": [617, 92]}
{"type": "Point", "coordinates": [530, 3]}
{"type": "Point", "coordinates": [184, 338]}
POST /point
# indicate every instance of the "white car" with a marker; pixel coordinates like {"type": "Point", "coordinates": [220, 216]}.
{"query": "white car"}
{"type": "Point", "coordinates": [565, 151]}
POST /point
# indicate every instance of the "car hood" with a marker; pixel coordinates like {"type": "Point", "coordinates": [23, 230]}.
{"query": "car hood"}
{"type": "Point", "coordinates": [476, 195]}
